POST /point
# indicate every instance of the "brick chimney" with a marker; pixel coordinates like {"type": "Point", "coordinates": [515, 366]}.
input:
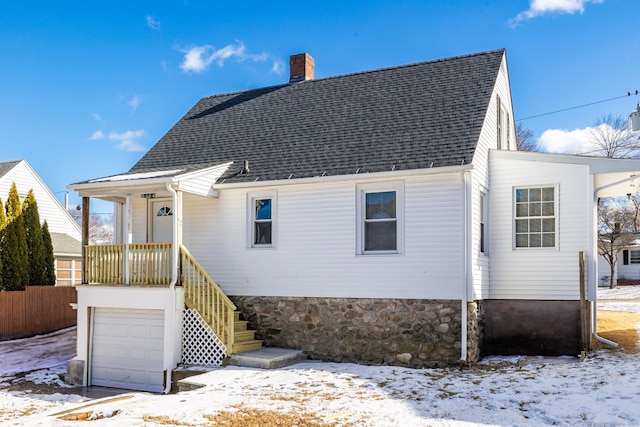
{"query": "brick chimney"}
{"type": "Point", "coordinates": [301, 67]}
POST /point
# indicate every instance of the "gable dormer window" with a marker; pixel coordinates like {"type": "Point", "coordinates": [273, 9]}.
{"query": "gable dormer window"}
{"type": "Point", "coordinates": [504, 123]}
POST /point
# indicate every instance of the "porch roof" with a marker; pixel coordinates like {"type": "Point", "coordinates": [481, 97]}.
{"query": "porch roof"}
{"type": "Point", "coordinates": [196, 179]}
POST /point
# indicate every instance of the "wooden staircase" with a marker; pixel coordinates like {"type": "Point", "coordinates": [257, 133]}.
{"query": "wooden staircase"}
{"type": "Point", "coordinates": [244, 338]}
{"type": "Point", "coordinates": [204, 295]}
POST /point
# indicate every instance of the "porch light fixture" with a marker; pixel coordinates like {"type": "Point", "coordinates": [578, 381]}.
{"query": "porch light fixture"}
{"type": "Point", "coordinates": [148, 195]}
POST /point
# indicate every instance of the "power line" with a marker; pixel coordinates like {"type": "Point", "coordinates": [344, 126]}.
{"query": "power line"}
{"type": "Point", "coordinates": [579, 106]}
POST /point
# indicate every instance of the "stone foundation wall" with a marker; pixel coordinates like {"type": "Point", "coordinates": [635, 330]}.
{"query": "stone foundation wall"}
{"type": "Point", "coordinates": [416, 333]}
{"type": "Point", "coordinates": [476, 316]}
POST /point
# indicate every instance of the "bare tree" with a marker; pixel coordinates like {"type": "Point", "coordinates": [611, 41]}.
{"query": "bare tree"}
{"type": "Point", "coordinates": [632, 211]}
{"type": "Point", "coordinates": [616, 230]}
{"type": "Point", "coordinates": [611, 136]}
{"type": "Point", "coordinates": [525, 140]}
{"type": "Point", "coordinates": [100, 230]}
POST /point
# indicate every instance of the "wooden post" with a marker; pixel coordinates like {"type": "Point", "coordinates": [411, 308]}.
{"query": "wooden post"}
{"type": "Point", "coordinates": [85, 237]}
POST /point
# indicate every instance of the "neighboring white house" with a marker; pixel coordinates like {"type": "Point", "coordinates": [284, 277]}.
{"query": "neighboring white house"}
{"type": "Point", "coordinates": [627, 266]}
{"type": "Point", "coordinates": [376, 217]}
{"type": "Point", "coordinates": [65, 232]}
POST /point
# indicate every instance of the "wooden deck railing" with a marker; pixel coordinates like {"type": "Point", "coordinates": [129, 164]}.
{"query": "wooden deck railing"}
{"type": "Point", "coordinates": [149, 264]}
{"type": "Point", "coordinates": [202, 293]}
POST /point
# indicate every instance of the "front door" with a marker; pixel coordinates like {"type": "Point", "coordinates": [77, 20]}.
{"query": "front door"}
{"type": "Point", "coordinates": [161, 221]}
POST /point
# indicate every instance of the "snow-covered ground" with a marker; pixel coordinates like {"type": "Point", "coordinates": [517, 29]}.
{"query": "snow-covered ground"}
{"type": "Point", "coordinates": [603, 389]}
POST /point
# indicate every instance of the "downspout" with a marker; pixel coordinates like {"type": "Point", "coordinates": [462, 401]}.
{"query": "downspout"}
{"type": "Point", "coordinates": [594, 324]}
{"type": "Point", "coordinates": [175, 252]}
{"type": "Point", "coordinates": [465, 266]}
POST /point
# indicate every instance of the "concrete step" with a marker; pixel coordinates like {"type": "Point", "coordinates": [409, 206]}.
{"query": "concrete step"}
{"type": "Point", "coordinates": [267, 358]}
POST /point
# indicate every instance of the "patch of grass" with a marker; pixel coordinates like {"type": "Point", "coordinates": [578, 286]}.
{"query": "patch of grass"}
{"type": "Point", "coordinates": [164, 420]}
{"type": "Point", "coordinates": [250, 417]}
{"type": "Point", "coordinates": [620, 327]}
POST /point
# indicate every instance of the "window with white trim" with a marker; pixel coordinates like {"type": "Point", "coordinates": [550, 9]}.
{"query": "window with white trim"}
{"type": "Point", "coordinates": [634, 257]}
{"type": "Point", "coordinates": [535, 217]}
{"type": "Point", "coordinates": [261, 224]}
{"type": "Point", "coordinates": [504, 125]}
{"type": "Point", "coordinates": [380, 218]}
{"type": "Point", "coordinates": [483, 223]}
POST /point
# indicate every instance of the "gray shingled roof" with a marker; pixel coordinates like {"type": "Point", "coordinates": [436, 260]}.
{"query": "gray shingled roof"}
{"type": "Point", "coordinates": [63, 243]}
{"type": "Point", "coordinates": [407, 117]}
{"type": "Point", "coordinates": [7, 166]}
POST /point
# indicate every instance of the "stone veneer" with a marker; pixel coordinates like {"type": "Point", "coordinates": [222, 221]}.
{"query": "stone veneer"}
{"type": "Point", "coordinates": [416, 333]}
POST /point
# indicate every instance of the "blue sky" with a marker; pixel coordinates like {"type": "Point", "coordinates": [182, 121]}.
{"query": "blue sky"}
{"type": "Point", "coordinates": [87, 87]}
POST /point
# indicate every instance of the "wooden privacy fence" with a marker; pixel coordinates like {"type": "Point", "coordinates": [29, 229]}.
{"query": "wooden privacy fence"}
{"type": "Point", "coordinates": [36, 310]}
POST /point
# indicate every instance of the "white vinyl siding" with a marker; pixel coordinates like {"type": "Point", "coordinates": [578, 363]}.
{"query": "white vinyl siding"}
{"type": "Point", "coordinates": [547, 273]}
{"type": "Point", "coordinates": [480, 263]}
{"type": "Point", "coordinates": [49, 207]}
{"type": "Point", "coordinates": [140, 218]}
{"type": "Point", "coordinates": [317, 254]}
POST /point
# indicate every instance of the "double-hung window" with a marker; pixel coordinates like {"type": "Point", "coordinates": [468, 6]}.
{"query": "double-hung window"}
{"type": "Point", "coordinates": [261, 227]}
{"type": "Point", "coordinates": [535, 217]}
{"type": "Point", "coordinates": [380, 218]}
{"type": "Point", "coordinates": [483, 223]}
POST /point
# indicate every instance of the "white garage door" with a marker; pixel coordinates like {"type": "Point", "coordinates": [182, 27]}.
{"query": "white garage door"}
{"type": "Point", "coordinates": [127, 349]}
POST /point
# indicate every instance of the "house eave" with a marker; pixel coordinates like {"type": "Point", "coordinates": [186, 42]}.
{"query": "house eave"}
{"type": "Point", "coordinates": [350, 177]}
{"type": "Point", "coordinates": [117, 188]}
{"type": "Point", "coordinates": [611, 177]}
{"type": "Point", "coordinates": [108, 188]}
{"type": "Point", "coordinates": [67, 254]}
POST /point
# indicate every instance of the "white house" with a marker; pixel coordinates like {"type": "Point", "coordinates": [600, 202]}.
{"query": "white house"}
{"type": "Point", "coordinates": [627, 267]}
{"type": "Point", "coordinates": [376, 217]}
{"type": "Point", "coordinates": [65, 232]}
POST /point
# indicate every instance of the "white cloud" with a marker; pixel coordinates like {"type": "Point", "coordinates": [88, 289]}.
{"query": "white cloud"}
{"type": "Point", "coordinates": [152, 23]}
{"type": "Point", "coordinates": [547, 7]}
{"type": "Point", "coordinates": [565, 141]}
{"type": "Point", "coordinates": [134, 102]}
{"type": "Point", "coordinates": [97, 118]}
{"type": "Point", "coordinates": [128, 140]}
{"type": "Point", "coordinates": [97, 135]}
{"type": "Point", "coordinates": [600, 140]}
{"type": "Point", "coordinates": [198, 58]}
{"type": "Point", "coordinates": [278, 68]}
